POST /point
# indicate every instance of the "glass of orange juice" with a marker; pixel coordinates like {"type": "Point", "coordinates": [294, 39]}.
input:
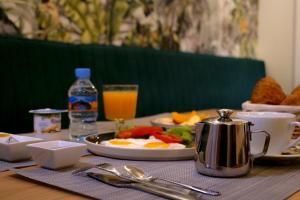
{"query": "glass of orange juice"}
{"type": "Point", "coordinates": [120, 102]}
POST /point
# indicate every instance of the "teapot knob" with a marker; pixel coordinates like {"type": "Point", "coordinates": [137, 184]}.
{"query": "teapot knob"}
{"type": "Point", "coordinates": [225, 115]}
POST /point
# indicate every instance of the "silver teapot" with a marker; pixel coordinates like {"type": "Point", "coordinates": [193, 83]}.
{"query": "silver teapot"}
{"type": "Point", "coordinates": [223, 146]}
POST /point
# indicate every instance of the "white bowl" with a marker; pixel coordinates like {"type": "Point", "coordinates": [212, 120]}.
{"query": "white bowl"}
{"type": "Point", "coordinates": [56, 154]}
{"type": "Point", "coordinates": [15, 149]}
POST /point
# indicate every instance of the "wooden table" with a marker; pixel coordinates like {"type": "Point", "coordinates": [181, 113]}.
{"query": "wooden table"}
{"type": "Point", "coordinates": [16, 187]}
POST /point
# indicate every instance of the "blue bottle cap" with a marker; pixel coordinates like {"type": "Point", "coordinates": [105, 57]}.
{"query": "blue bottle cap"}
{"type": "Point", "coordinates": [83, 72]}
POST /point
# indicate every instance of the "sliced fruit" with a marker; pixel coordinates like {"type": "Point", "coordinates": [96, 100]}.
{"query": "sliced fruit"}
{"type": "Point", "coordinates": [203, 116]}
{"type": "Point", "coordinates": [139, 131]}
{"type": "Point", "coordinates": [168, 138]}
{"type": "Point", "coordinates": [182, 117]}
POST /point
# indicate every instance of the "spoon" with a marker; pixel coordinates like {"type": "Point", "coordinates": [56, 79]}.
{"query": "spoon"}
{"type": "Point", "coordinates": [140, 175]}
{"type": "Point", "coordinates": [111, 169]}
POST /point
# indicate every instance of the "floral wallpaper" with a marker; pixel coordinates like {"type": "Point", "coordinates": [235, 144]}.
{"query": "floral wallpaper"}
{"type": "Point", "coordinates": [221, 27]}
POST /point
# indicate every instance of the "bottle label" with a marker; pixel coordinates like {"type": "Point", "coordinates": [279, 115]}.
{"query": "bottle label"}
{"type": "Point", "coordinates": [83, 103]}
{"type": "Point", "coordinates": [47, 123]}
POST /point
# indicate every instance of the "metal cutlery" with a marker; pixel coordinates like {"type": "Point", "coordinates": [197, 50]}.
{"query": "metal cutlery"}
{"type": "Point", "coordinates": [103, 166]}
{"type": "Point", "coordinates": [140, 175]}
{"type": "Point", "coordinates": [80, 170]}
{"type": "Point", "coordinates": [111, 169]}
{"type": "Point", "coordinates": [151, 188]}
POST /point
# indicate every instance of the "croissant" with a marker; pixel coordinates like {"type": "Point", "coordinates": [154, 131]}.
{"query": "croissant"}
{"type": "Point", "coordinates": [296, 89]}
{"type": "Point", "coordinates": [293, 99]}
{"type": "Point", "coordinates": [267, 91]}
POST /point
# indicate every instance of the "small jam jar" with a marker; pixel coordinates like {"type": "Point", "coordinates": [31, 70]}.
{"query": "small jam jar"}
{"type": "Point", "coordinates": [47, 120]}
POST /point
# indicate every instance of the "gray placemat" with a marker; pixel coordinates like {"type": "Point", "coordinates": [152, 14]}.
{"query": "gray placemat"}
{"type": "Point", "coordinates": [4, 166]}
{"type": "Point", "coordinates": [264, 182]}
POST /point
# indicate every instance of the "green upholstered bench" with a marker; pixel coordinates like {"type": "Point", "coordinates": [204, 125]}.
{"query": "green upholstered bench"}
{"type": "Point", "coordinates": [37, 74]}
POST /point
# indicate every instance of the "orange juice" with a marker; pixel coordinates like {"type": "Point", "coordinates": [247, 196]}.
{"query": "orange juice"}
{"type": "Point", "coordinates": [120, 104]}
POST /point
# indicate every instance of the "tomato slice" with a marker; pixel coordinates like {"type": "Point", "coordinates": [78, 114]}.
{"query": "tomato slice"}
{"type": "Point", "coordinates": [167, 138]}
{"type": "Point", "coordinates": [139, 131]}
{"type": "Point", "coordinates": [124, 134]}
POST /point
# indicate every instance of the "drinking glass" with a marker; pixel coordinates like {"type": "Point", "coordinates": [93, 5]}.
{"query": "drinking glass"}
{"type": "Point", "coordinates": [120, 103]}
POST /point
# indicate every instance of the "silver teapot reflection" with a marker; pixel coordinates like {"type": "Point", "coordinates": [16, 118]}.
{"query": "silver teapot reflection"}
{"type": "Point", "coordinates": [223, 146]}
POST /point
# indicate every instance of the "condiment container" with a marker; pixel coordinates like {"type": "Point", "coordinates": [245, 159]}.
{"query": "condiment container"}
{"type": "Point", "coordinates": [56, 154]}
{"type": "Point", "coordinates": [13, 147]}
{"type": "Point", "coordinates": [47, 120]}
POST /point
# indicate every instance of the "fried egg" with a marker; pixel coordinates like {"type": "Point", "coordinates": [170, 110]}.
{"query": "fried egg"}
{"type": "Point", "coordinates": [150, 143]}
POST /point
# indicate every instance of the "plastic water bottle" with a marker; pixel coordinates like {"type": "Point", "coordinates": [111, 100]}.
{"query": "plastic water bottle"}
{"type": "Point", "coordinates": [83, 105]}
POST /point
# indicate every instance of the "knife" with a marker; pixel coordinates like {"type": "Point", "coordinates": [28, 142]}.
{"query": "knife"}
{"type": "Point", "coordinates": [147, 187]}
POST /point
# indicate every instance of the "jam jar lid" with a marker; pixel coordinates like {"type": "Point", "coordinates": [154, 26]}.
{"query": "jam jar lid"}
{"type": "Point", "coordinates": [47, 111]}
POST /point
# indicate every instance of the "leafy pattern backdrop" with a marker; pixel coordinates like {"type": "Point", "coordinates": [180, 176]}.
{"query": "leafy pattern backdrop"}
{"type": "Point", "coordinates": [221, 27]}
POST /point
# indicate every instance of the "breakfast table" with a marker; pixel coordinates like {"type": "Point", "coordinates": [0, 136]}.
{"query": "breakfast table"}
{"type": "Point", "coordinates": [26, 180]}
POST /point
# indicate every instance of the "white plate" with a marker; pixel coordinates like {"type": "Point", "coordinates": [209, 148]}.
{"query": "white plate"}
{"type": "Point", "coordinates": [265, 107]}
{"type": "Point", "coordinates": [93, 145]}
{"type": "Point", "coordinates": [166, 122]}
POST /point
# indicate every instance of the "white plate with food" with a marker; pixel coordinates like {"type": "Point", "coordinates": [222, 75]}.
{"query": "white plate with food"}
{"type": "Point", "coordinates": [150, 148]}
{"type": "Point", "coordinates": [179, 119]}
{"type": "Point", "coordinates": [248, 106]}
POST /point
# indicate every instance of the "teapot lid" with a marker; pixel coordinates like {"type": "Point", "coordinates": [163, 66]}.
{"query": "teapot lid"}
{"type": "Point", "coordinates": [224, 118]}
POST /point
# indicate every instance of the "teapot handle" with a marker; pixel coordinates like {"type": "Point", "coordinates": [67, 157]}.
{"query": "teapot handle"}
{"type": "Point", "coordinates": [266, 145]}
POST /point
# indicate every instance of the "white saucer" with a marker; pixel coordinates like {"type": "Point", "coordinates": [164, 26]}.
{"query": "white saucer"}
{"type": "Point", "coordinates": [280, 157]}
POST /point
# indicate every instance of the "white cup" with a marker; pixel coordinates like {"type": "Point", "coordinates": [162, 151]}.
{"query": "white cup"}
{"type": "Point", "coordinates": [280, 126]}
